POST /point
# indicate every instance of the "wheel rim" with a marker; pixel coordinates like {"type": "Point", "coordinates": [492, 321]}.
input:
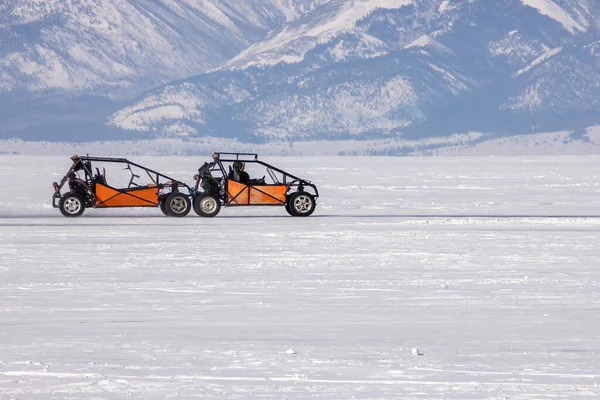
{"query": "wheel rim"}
{"type": "Point", "coordinates": [178, 205]}
{"type": "Point", "coordinates": [302, 203]}
{"type": "Point", "coordinates": [208, 205]}
{"type": "Point", "coordinates": [72, 205]}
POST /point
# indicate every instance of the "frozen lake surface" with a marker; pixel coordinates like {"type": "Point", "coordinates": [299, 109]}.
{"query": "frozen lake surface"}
{"type": "Point", "coordinates": [416, 278]}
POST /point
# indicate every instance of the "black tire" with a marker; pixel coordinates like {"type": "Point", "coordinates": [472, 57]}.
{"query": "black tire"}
{"type": "Point", "coordinates": [71, 205]}
{"type": "Point", "coordinates": [301, 204]}
{"type": "Point", "coordinates": [163, 206]}
{"type": "Point", "coordinates": [207, 205]}
{"type": "Point", "coordinates": [288, 209]}
{"type": "Point", "coordinates": [177, 205]}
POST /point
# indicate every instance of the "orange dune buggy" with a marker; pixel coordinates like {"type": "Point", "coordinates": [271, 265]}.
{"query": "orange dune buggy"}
{"type": "Point", "coordinates": [89, 188]}
{"type": "Point", "coordinates": [222, 183]}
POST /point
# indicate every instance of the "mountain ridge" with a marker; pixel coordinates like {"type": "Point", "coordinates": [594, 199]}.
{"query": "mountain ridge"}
{"type": "Point", "coordinates": [419, 68]}
{"type": "Point", "coordinates": [374, 69]}
{"type": "Point", "coordinates": [82, 58]}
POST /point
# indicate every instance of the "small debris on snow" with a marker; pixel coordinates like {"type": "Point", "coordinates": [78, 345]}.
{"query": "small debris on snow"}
{"type": "Point", "coordinates": [290, 351]}
{"type": "Point", "coordinates": [416, 352]}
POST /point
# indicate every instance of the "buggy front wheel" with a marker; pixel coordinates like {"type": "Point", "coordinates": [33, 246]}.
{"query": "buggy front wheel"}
{"type": "Point", "coordinates": [71, 205]}
{"type": "Point", "coordinates": [177, 205]}
{"type": "Point", "coordinates": [207, 205]}
{"type": "Point", "coordinates": [301, 204]}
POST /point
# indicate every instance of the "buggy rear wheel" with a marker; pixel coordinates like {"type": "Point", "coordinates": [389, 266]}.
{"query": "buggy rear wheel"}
{"type": "Point", "coordinates": [301, 204]}
{"type": "Point", "coordinates": [177, 205]}
{"type": "Point", "coordinates": [207, 205]}
{"type": "Point", "coordinates": [162, 203]}
{"type": "Point", "coordinates": [71, 205]}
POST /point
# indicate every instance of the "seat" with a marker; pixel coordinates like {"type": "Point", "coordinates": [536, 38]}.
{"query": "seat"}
{"type": "Point", "coordinates": [100, 178]}
{"type": "Point", "coordinates": [233, 175]}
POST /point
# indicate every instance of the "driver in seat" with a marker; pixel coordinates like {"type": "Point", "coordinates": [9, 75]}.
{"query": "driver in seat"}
{"type": "Point", "coordinates": [242, 176]}
{"type": "Point", "coordinates": [239, 174]}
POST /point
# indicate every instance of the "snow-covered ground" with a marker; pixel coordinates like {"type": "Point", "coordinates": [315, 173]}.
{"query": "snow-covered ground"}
{"type": "Point", "coordinates": [416, 278]}
{"type": "Point", "coordinates": [460, 144]}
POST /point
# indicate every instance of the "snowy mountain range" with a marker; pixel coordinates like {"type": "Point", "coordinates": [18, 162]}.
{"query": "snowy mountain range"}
{"type": "Point", "coordinates": [66, 64]}
{"type": "Point", "coordinates": [297, 71]}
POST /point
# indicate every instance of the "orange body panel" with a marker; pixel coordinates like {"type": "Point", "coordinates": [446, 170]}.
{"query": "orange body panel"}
{"type": "Point", "coordinates": [238, 193]}
{"type": "Point", "coordinates": [138, 197]}
{"type": "Point", "coordinates": [267, 194]}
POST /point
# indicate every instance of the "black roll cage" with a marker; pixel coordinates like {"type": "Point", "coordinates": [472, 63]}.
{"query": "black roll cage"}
{"type": "Point", "coordinates": [252, 158]}
{"type": "Point", "coordinates": [86, 161]}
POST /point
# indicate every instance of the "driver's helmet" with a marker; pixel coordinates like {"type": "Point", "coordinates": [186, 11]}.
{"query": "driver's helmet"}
{"type": "Point", "coordinates": [239, 166]}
